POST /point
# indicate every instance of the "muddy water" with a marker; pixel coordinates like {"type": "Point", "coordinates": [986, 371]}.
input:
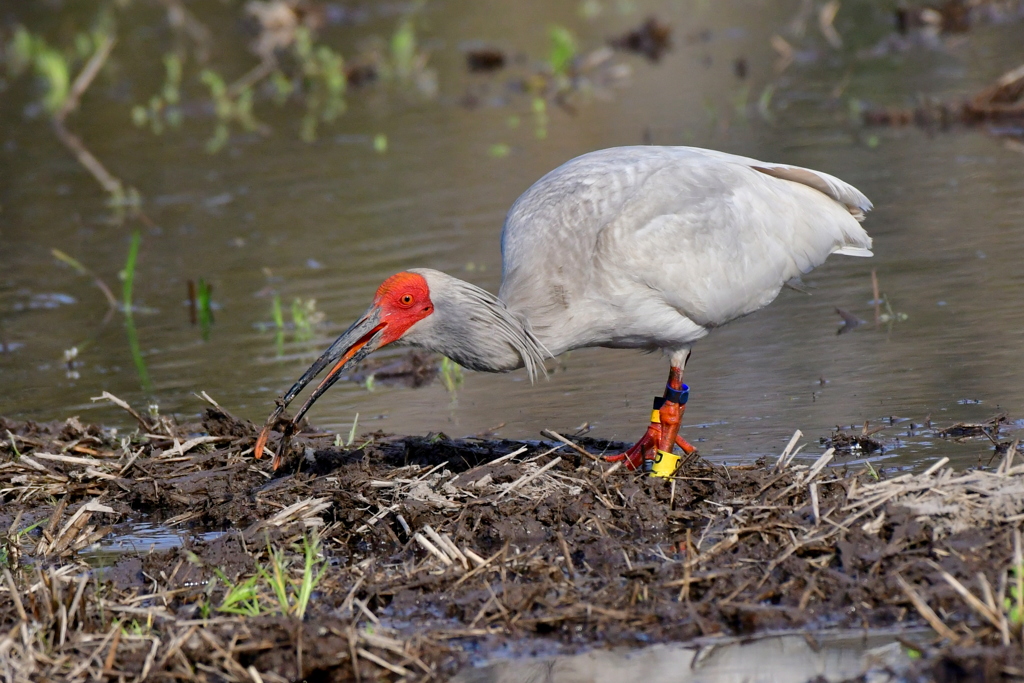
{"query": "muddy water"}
{"type": "Point", "coordinates": [137, 538]}
{"type": "Point", "coordinates": [329, 219]}
{"type": "Point", "coordinates": [787, 658]}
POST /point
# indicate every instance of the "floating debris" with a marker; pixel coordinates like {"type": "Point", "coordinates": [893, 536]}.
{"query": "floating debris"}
{"type": "Point", "coordinates": [651, 39]}
{"type": "Point", "coordinates": [953, 16]}
{"type": "Point", "coordinates": [485, 59]}
{"type": "Point", "coordinates": [852, 443]}
{"type": "Point", "coordinates": [965, 430]}
{"type": "Point", "coordinates": [740, 68]}
{"type": "Point", "coordinates": [850, 321]}
{"type": "Point", "coordinates": [1003, 101]}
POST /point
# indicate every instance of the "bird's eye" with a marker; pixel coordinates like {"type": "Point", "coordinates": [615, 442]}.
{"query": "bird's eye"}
{"type": "Point", "coordinates": [406, 299]}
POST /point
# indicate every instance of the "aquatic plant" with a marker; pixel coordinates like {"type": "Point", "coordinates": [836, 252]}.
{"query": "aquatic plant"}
{"type": "Point", "coordinates": [162, 107]}
{"type": "Point", "coordinates": [127, 292]}
{"type": "Point", "coordinates": [323, 73]}
{"type": "Point", "coordinates": [127, 275]}
{"type": "Point", "coordinates": [305, 317]}
{"type": "Point", "coordinates": [562, 51]}
{"type": "Point", "coordinates": [403, 48]}
{"type": "Point", "coordinates": [204, 301]}
{"type": "Point", "coordinates": [229, 108]}
{"type": "Point", "coordinates": [49, 64]}
{"type": "Point", "coordinates": [452, 375]}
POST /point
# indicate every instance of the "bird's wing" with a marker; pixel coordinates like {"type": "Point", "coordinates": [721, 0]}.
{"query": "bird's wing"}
{"type": "Point", "coordinates": [712, 235]}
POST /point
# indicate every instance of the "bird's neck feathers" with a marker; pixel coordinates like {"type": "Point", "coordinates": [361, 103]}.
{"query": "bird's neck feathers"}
{"type": "Point", "coordinates": [473, 328]}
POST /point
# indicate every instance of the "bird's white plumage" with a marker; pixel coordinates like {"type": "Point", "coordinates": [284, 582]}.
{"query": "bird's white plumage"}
{"type": "Point", "coordinates": [650, 247]}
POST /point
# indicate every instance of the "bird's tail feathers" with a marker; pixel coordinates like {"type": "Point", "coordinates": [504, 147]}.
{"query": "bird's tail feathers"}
{"type": "Point", "coordinates": [849, 196]}
{"type": "Point", "coordinates": [854, 251]}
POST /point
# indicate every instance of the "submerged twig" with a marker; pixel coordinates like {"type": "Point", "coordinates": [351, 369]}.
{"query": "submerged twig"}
{"type": "Point", "coordinates": [107, 180]}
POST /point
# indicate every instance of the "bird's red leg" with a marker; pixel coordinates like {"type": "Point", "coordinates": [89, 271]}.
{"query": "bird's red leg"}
{"type": "Point", "coordinates": [663, 432]}
{"type": "Point", "coordinates": [672, 409]}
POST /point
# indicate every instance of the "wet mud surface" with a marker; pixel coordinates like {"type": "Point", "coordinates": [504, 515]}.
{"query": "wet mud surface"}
{"type": "Point", "coordinates": [432, 553]}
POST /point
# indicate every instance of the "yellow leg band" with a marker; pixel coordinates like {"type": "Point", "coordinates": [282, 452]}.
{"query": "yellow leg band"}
{"type": "Point", "coordinates": [656, 416]}
{"type": "Point", "coordinates": [665, 464]}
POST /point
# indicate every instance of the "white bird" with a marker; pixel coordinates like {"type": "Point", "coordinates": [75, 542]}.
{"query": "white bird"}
{"type": "Point", "coordinates": [630, 247]}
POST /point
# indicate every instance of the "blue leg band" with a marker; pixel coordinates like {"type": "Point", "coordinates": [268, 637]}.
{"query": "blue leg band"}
{"type": "Point", "coordinates": [680, 396]}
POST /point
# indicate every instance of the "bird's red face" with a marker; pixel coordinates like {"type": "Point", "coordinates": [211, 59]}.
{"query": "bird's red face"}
{"type": "Point", "coordinates": [401, 301]}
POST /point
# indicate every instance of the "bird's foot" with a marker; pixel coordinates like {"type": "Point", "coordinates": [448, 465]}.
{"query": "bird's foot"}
{"type": "Point", "coordinates": [644, 453]}
{"type": "Point", "coordinates": [643, 450]}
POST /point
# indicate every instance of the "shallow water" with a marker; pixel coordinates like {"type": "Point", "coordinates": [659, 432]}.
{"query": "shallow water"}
{"type": "Point", "coordinates": [330, 219]}
{"type": "Point", "coordinates": [789, 658]}
{"type": "Point", "coordinates": [139, 538]}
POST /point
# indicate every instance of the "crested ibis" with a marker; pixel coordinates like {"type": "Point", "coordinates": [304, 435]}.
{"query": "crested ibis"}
{"type": "Point", "coordinates": [632, 248]}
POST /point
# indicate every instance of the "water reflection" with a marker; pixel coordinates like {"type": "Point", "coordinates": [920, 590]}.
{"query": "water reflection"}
{"type": "Point", "coordinates": [139, 538]}
{"type": "Point", "coordinates": [792, 658]}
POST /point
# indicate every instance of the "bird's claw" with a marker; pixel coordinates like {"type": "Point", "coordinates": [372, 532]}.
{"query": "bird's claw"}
{"type": "Point", "coordinates": [646, 449]}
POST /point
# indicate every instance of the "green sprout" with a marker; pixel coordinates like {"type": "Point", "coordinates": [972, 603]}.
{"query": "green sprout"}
{"type": "Point", "coordinates": [304, 317]}
{"type": "Point", "coordinates": [313, 569]}
{"type": "Point", "coordinates": [563, 50]}
{"type": "Point", "coordinates": [228, 108]}
{"type": "Point", "coordinates": [325, 80]}
{"type": "Point", "coordinates": [403, 49]}
{"type": "Point", "coordinates": [352, 431]}
{"type": "Point", "coordinates": [499, 150]}
{"type": "Point", "coordinates": [135, 628]}
{"type": "Point", "coordinates": [53, 68]}
{"type": "Point", "coordinates": [14, 445]}
{"type": "Point", "coordinates": [1014, 604]}
{"type": "Point", "coordinates": [451, 375]}
{"type": "Point", "coordinates": [278, 314]}
{"type": "Point", "coordinates": [293, 596]}
{"type": "Point", "coordinates": [872, 471]}
{"type": "Point", "coordinates": [48, 63]}
{"type": "Point", "coordinates": [128, 274]}
{"type": "Point", "coordinates": [204, 301]}
{"type": "Point", "coordinates": [276, 580]}
{"type": "Point", "coordinates": [127, 292]}
{"type": "Point", "coordinates": [764, 103]}
{"type": "Point", "coordinates": [540, 117]}
{"type": "Point", "coordinates": [889, 315]}
{"type": "Point", "coordinates": [241, 598]}
{"type": "Point", "coordinates": [163, 106]}
{"type": "Point", "coordinates": [283, 87]}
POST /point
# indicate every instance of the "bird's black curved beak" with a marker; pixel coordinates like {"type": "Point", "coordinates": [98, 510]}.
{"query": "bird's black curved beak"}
{"type": "Point", "coordinates": [357, 342]}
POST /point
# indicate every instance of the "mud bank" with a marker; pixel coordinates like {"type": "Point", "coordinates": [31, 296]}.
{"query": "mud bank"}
{"type": "Point", "coordinates": [411, 557]}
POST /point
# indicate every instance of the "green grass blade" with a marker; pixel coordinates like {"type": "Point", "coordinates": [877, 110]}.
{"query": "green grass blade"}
{"type": "Point", "coordinates": [128, 274]}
